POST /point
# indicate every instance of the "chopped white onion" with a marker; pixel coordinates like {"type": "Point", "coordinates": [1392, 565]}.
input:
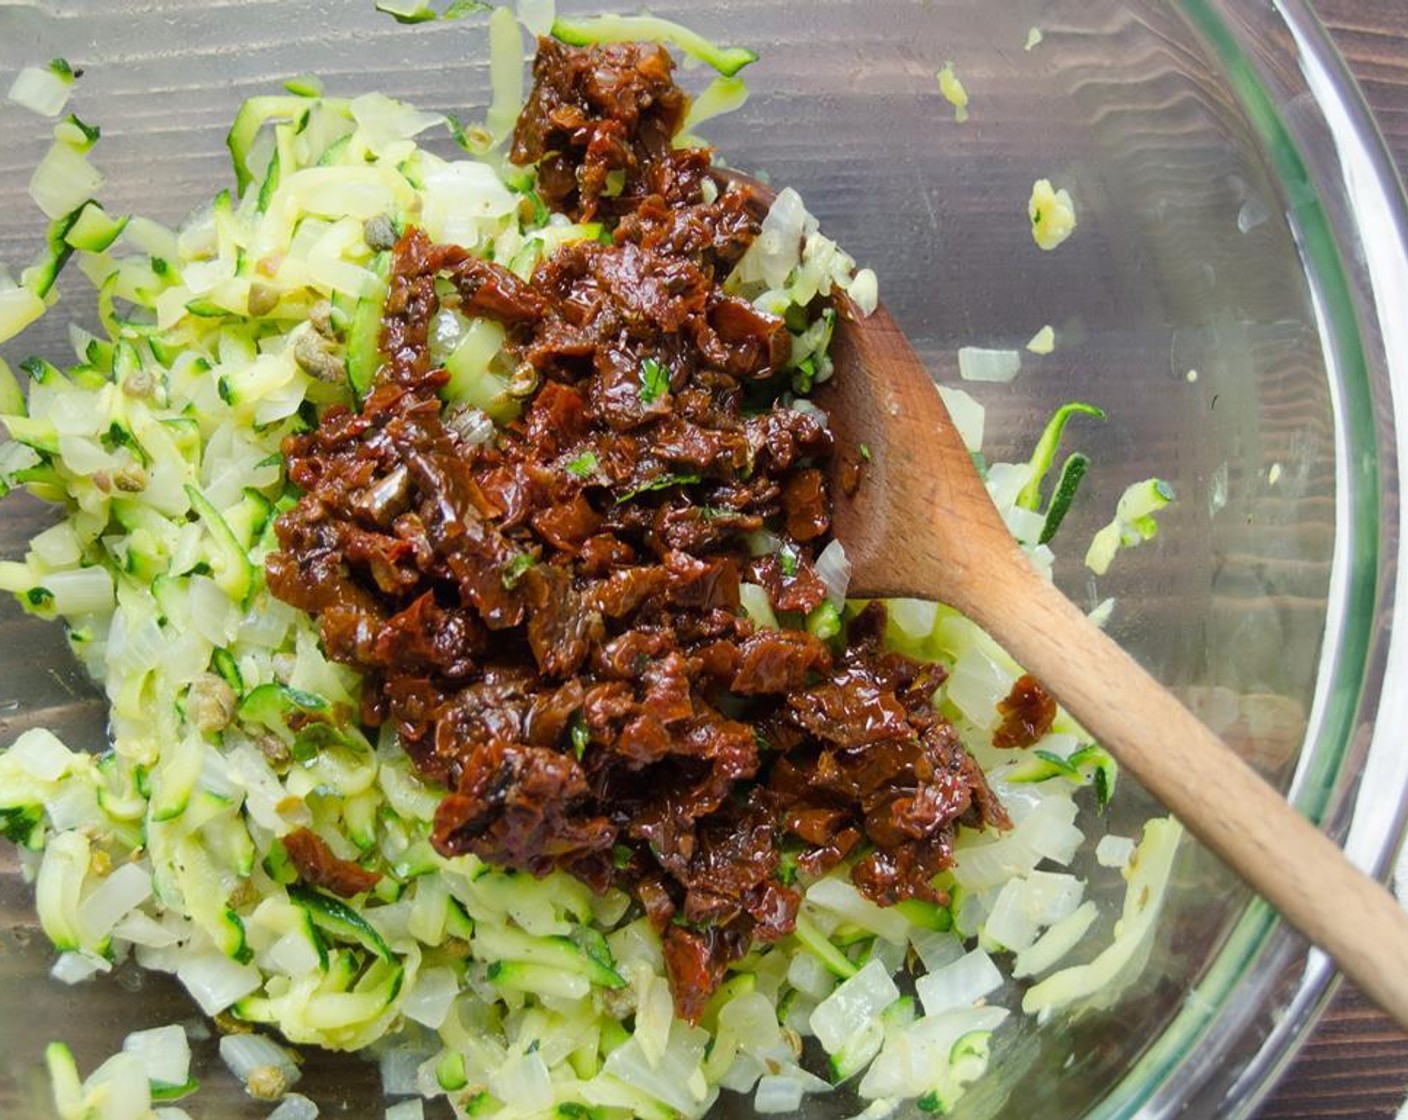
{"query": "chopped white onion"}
{"type": "Point", "coordinates": [960, 984]}
{"type": "Point", "coordinates": [292, 954]}
{"type": "Point", "coordinates": [42, 755]}
{"type": "Point", "coordinates": [80, 591]}
{"type": "Point", "coordinates": [1010, 925]}
{"type": "Point", "coordinates": [1049, 896]}
{"type": "Point", "coordinates": [976, 686]}
{"type": "Point", "coordinates": [935, 949]}
{"type": "Point", "coordinates": [165, 1053]}
{"type": "Point", "coordinates": [752, 1019]}
{"type": "Point", "coordinates": [865, 291]}
{"type": "Point", "coordinates": [1114, 851]}
{"type": "Point", "coordinates": [1051, 836]}
{"type": "Point", "coordinates": [141, 929]}
{"type": "Point", "coordinates": [537, 16]}
{"type": "Point", "coordinates": [429, 1000]}
{"type": "Point", "coordinates": [261, 1063]}
{"type": "Point", "coordinates": [399, 1067]}
{"type": "Point", "coordinates": [841, 897]}
{"type": "Point", "coordinates": [126, 888]}
{"type": "Point", "coordinates": [408, 1110]}
{"type": "Point", "coordinates": [834, 570]}
{"type": "Point", "coordinates": [855, 1001]}
{"type": "Point", "coordinates": [121, 1084]}
{"type": "Point", "coordinates": [41, 90]}
{"type": "Point", "coordinates": [976, 363]}
{"type": "Point", "coordinates": [777, 1094]}
{"type": "Point", "coordinates": [676, 1080]}
{"type": "Point", "coordinates": [808, 975]}
{"type": "Point", "coordinates": [295, 1106]}
{"type": "Point", "coordinates": [215, 981]}
{"type": "Point", "coordinates": [524, 1080]}
{"type": "Point", "coordinates": [76, 967]}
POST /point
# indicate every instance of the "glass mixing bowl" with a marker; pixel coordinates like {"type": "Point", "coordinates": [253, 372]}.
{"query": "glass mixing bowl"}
{"type": "Point", "coordinates": [1233, 297]}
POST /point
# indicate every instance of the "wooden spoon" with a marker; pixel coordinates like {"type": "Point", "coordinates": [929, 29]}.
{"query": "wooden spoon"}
{"type": "Point", "coordinates": [921, 525]}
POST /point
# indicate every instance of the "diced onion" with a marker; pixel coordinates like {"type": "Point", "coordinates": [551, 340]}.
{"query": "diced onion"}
{"type": "Point", "coordinates": [834, 570]}
{"type": "Point", "coordinates": [537, 16]}
{"type": "Point", "coordinates": [165, 1053]}
{"type": "Point", "coordinates": [76, 967]}
{"type": "Point", "coordinates": [121, 1084]}
{"type": "Point", "coordinates": [295, 1106]}
{"type": "Point", "coordinates": [1010, 926]}
{"type": "Point", "coordinates": [399, 1067]}
{"type": "Point", "coordinates": [126, 888]}
{"type": "Point", "coordinates": [967, 416]}
{"type": "Point", "coordinates": [42, 90]}
{"type": "Point", "coordinates": [864, 291]}
{"type": "Point", "coordinates": [261, 1063]}
{"type": "Point", "coordinates": [959, 984]}
{"type": "Point", "coordinates": [1114, 851]}
{"type": "Point", "coordinates": [978, 364]}
{"type": "Point", "coordinates": [841, 898]}
{"type": "Point", "coordinates": [524, 1080]}
{"type": "Point", "coordinates": [854, 1001]}
{"type": "Point", "coordinates": [429, 1001]}
{"type": "Point", "coordinates": [41, 755]}
{"type": "Point", "coordinates": [215, 981]}
{"type": "Point", "coordinates": [777, 1094]}
{"type": "Point", "coordinates": [1043, 342]}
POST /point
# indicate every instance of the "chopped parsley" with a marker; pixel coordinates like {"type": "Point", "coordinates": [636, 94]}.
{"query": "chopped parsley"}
{"type": "Point", "coordinates": [865, 452]}
{"type": "Point", "coordinates": [584, 465]}
{"type": "Point", "coordinates": [662, 482]}
{"type": "Point", "coordinates": [516, 569]}
{"type": "Point", "coordinates": [580, 734]}
{"type": "Point", "coordinates": [654, 381]}
{"type": "Point", "coordinates": [788, 557]}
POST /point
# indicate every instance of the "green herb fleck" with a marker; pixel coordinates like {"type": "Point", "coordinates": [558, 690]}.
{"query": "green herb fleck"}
{"type": "Point", "coordinates": [60, 68]}
{"type": "Point", "coordinates": [584, 465]}
{"type": "Point", "coordinates": [804, 376]}
{"type": "Point", "coordinates": [580, 733]}
{"type": "Point", "coordinates": [654, 381]}
{"type": "Point", "coordinates": [621, 856]}
{"type": "Point", "coordinates": [787, 556]}
{"type": "Point", "coordinates": [516, 569]}
{"type": "Point", "coordinates": [865, 452]}
{"type": "Point", "coordinates": [662, 482]}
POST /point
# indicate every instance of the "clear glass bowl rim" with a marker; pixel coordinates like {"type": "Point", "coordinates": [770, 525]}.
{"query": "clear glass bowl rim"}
{"type": "Point", "coordinates": [1260, 1001]}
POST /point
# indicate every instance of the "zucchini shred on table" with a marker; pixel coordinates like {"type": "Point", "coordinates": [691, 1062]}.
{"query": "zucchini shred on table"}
{"type": "Point", "coordinates": [573, 773]}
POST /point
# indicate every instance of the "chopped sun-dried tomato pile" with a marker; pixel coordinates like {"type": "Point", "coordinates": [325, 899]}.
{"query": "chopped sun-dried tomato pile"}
{"type": "Point", "coordinates": [551, 619]}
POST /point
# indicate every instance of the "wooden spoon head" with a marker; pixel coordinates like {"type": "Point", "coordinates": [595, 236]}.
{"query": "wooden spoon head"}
{"type": "Point", "coordinates": [916, 521]}
{"type": "Point", "coordinates": [920, 522]}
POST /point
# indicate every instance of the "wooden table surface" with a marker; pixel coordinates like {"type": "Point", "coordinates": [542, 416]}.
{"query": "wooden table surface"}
{"type": "Point", "coordinates": [1356, 1064]}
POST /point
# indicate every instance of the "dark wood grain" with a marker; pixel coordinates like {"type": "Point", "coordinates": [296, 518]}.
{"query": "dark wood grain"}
{"type": "Point", "coordinates": [1356, 1064]}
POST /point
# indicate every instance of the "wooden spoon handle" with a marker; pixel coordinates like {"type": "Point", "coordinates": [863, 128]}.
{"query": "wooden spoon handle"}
{"type": "Point", "coordinates": [1220, 799]}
